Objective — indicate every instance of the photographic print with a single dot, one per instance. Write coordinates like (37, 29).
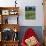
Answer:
(30, 12)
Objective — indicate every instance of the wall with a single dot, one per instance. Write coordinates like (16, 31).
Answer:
(22, 3)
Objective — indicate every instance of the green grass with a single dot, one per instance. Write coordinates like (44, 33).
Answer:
(29, 14)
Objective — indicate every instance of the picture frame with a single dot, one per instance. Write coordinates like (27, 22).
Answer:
(5, 12)
(30, 12)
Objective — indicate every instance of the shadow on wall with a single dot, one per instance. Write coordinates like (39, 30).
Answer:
(37, 29)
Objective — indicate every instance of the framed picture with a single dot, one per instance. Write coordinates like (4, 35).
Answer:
(5, 12)
(30, 12)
